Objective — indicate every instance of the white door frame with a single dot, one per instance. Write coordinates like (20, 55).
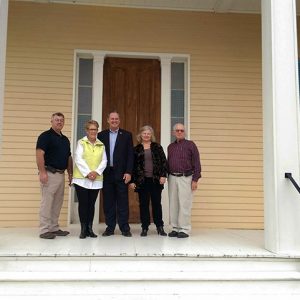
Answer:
(166, 59)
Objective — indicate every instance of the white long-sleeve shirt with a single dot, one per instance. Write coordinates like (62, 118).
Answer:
(85, 170)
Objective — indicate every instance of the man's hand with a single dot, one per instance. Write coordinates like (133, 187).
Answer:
(40, 161)
(194, 185)
(127, 178)
(43, 177)
(70, 177)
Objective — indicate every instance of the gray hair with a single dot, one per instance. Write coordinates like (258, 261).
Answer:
(91, 122)
(174, 127)
(144, 128)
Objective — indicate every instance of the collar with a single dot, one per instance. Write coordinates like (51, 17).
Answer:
(180, 141)
(53, 131)
(86, 140)
(114, 131)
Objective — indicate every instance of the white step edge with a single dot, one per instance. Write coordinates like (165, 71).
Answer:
(146, 276)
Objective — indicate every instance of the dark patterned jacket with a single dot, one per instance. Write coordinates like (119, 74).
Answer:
(159, 164)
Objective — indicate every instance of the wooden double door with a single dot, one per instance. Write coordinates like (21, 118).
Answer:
(133, 88)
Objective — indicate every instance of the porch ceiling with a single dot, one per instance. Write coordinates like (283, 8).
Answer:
(219, 6)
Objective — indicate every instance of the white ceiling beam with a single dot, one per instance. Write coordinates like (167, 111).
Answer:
(223, 6)
(218, 6)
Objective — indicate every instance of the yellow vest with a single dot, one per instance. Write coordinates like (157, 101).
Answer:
(92, 154)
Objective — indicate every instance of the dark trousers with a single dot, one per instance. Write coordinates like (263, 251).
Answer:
(115, 202)
(86, 203)
(150, 190)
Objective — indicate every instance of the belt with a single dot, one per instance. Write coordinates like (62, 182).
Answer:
(54, 170)
(182, 174)
(60, 171)
(177, 174)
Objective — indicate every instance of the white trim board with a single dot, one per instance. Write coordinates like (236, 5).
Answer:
(3, 37)
(166, 60)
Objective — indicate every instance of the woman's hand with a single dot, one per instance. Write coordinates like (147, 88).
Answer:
(92, 175)
(132, 186)
(162, 180)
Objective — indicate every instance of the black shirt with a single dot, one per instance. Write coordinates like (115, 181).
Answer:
(56, 147)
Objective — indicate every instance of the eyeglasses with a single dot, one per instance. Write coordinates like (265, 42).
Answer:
(179, 130)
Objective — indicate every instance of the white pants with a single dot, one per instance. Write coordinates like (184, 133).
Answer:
(181, 198)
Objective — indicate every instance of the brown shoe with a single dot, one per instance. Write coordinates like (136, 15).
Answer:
(60, 232)
(47, 235)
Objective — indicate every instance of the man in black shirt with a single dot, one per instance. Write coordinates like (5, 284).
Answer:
(53, 157)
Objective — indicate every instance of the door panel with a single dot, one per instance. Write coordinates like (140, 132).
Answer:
(132, 87)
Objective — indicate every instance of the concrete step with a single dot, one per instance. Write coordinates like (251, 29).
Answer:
(147, 278)
(148, 269)
(151, 290)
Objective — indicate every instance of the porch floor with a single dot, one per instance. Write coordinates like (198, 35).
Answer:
(210, 264)
(24, 242)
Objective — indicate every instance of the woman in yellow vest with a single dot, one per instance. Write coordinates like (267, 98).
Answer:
(90, 162)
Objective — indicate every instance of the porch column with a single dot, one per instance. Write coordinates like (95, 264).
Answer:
(3, 36)
(165, 116)
(97, 103)
(97, 86)
(281, 125)
(165, 113)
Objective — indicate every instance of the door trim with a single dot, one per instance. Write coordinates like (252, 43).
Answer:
(166, 59)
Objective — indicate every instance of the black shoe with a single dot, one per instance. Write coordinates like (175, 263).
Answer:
(182, 235)
(90, 231)
(127, 233)
(83, 232)
(60, 232)
(107, 233)
(144, 232)
(173, 234)
(82, 235)
(47, 235)
(160, 231)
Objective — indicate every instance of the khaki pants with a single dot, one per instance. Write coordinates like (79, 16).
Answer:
(51, 203)
(180, 197)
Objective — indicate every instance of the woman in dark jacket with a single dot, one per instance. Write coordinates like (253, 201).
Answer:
(148, 178)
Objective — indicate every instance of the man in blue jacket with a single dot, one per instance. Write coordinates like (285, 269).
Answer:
(119, 150)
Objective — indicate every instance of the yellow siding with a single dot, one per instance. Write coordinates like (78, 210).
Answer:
(225, 98)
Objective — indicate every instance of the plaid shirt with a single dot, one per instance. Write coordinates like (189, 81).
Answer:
(183, 157)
